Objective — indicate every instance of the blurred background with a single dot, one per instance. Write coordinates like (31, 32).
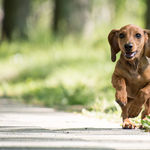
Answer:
(55, 53)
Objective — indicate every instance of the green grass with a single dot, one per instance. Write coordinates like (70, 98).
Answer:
(61, 72)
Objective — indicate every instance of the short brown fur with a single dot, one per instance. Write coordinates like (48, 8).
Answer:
(131, 77)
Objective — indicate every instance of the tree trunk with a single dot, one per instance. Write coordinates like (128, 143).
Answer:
(148, 15)
(15, 15)
(70, 15)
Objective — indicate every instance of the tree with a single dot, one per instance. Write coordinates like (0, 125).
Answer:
(15, 15)
(148, 14)
(70, 15)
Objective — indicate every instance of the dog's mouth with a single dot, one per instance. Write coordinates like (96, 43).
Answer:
(130, 55)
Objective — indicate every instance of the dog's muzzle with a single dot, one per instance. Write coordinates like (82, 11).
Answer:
(130, 55)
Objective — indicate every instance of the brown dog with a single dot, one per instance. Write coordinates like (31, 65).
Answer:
(131, 77)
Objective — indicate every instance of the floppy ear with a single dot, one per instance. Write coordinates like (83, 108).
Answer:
(112, 38)
(147, 42)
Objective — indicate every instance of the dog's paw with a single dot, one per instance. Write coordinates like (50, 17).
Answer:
(134, 110)
(127, 124)
(141, 127)
(122, 104)
(121, 98)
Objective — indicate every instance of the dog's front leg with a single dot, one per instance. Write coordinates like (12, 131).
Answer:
(122, 99)
(141, 99)
(127, 123)
(120, 86)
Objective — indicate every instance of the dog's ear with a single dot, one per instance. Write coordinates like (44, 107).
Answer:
(112, 38)
(147, 42)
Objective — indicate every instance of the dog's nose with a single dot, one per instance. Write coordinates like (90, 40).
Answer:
(128, 46)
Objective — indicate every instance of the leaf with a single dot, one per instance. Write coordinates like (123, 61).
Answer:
(146, 123)
(148, 117)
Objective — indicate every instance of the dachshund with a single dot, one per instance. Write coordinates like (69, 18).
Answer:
(131, 76)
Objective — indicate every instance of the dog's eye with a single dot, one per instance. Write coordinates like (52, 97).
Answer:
(121, 35)
(138, 35)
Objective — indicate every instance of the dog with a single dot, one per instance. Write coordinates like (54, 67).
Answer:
(131, 77)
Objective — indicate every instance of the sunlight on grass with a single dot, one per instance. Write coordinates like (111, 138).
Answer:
(62, 73)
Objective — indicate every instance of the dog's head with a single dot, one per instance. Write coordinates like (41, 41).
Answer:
(130, 40)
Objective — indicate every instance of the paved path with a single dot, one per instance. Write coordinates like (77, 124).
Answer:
(23, 127)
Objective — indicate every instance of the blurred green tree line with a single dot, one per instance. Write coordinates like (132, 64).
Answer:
(68, 16)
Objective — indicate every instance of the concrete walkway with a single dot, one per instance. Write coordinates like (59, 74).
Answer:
(23, 127)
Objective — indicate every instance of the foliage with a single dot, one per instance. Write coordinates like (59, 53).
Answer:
(146, 124)
(59, 72)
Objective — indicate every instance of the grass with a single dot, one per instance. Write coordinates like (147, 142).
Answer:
(59, 73)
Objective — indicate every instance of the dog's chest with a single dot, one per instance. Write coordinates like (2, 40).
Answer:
(133, 78)
(136, 77)
(135, 81)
